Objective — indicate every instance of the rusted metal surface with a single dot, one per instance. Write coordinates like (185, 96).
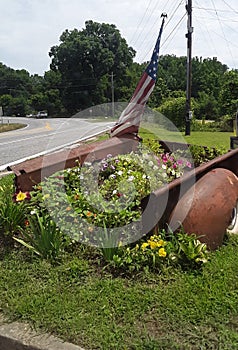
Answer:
(177, 188)
(159, 205)
(207, 207)
(33, 171)
(163, 201)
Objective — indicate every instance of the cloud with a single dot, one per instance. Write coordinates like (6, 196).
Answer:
(29, 28)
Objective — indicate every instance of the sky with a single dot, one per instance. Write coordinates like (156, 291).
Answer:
(29, 28)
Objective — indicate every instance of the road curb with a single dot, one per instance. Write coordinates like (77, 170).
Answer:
(20, 336)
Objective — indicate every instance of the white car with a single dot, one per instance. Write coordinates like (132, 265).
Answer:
(42, 114)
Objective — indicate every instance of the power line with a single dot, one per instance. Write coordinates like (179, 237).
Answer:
(210, 41)
(228, 46)
(142, 29)
(229, 6)
(141, 20)
(213, 10)
(173, 30)
(156, 20)
(222, 20)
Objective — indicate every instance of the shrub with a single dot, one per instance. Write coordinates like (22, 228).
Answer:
(174, 109)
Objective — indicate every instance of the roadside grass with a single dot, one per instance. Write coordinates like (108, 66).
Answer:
(85, 302)
(11, 127)
(90, 306)
(203, 138)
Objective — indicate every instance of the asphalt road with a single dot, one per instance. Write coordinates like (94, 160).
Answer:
(42, 136)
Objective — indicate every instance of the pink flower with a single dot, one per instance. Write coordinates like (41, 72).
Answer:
(188, 164)
(180, 162)
(164, 158)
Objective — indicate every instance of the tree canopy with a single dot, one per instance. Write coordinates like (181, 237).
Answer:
(87, 63)
(86, 59)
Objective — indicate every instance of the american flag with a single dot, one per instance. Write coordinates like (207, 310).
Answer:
(130, 118)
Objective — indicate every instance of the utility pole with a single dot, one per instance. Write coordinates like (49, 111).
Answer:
(112, 88)
(188, 116)
(1, 114)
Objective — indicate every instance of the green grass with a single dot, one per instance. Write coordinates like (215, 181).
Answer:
(85, 303)
(11, 127)
(80, 302)
(210, 139)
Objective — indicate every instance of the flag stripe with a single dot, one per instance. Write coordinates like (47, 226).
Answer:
(130, 117)
(140, 85)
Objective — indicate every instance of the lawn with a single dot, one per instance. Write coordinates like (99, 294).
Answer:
(96, 309)
(11, 127)
(85, 301)
(210, 139)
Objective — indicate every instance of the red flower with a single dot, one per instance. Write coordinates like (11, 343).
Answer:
(27, 223)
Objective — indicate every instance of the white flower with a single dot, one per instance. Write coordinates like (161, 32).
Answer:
(112, 176)
(150, 163)
(144, 176)
(114, 192)
(33, 212)
(119, 172)
(164, 166)
(131, 178)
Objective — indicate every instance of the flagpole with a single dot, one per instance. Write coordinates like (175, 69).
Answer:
(188, 116)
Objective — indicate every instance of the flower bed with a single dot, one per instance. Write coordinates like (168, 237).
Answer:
(99, 204)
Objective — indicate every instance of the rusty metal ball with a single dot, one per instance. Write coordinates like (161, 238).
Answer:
(209, 205)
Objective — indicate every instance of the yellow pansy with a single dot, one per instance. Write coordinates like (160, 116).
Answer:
(162, 253)
(152, 244)
(144, 245)
(161, 243)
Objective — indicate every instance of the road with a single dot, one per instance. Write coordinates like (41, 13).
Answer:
(42, 136)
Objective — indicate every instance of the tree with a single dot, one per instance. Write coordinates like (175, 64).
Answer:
(172, 70)
(206, 106)
(228, 98)
(85, 59)
(207, 76)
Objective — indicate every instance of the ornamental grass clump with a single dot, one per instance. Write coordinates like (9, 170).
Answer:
(43, 237)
